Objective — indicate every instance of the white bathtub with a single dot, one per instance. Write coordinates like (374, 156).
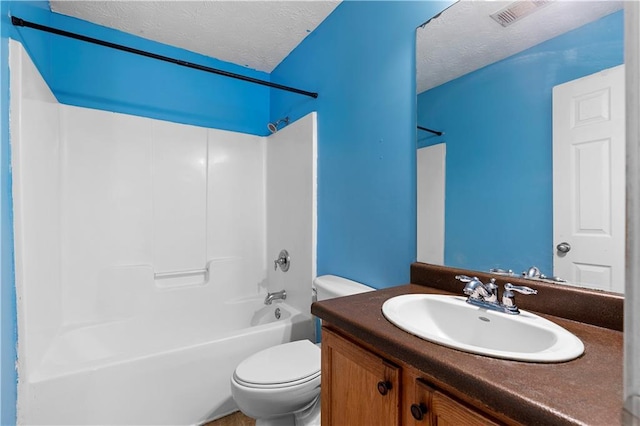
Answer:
(166, 369)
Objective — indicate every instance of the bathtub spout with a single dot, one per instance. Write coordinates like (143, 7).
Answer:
(282, 294)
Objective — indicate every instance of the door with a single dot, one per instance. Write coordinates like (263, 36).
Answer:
(589, 180)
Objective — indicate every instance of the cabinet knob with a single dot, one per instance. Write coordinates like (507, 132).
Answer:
(418, 411)
(384, 387)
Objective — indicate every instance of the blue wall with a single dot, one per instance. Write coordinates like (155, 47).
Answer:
(361, 60)
(7, 288)
(93, 76)
(497, 120)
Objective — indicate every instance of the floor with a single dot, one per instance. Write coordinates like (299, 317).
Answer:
(234, 419)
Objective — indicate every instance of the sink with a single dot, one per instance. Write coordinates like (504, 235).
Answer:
(452, 322)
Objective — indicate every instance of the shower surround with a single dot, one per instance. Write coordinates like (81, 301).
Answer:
(144, 251)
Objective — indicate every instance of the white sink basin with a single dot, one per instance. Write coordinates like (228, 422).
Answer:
(452, 322)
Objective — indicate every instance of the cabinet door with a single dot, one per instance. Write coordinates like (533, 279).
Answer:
(358, 387)
(446, 411)
(427, 406)
(419, 403)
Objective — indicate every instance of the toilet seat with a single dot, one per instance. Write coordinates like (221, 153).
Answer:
(281, 366)
(275, 385)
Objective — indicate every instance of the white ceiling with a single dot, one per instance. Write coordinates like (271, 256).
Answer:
(464, 38)
(256, 34)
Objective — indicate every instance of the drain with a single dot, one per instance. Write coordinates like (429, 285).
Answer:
(277, 313)
(485, 319)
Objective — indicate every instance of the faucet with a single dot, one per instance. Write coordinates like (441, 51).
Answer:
(533, 272)
(486, 295)
(282, 295)
(476, 290)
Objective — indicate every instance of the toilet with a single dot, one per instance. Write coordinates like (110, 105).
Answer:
(280, 385)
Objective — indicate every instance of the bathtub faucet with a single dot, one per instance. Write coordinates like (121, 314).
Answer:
(282, 294)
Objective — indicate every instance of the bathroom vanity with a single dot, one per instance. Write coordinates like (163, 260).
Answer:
(376, 373)
(402, 394)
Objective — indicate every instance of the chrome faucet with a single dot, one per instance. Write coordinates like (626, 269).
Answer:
(476, 290)
(282, 295)
(534, 273)
(486, 295)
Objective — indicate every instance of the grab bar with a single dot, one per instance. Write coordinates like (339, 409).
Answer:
(161, 275)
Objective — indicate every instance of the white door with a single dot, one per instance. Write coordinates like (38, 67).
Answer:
(589, 180)
(430, 226)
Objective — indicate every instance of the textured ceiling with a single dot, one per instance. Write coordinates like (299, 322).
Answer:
(464, 38)
(256, 34)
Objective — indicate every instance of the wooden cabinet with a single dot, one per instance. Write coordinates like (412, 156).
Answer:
(358, 387)
(363, 388)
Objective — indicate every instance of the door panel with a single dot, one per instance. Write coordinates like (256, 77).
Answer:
(358, 388)
(589, 179)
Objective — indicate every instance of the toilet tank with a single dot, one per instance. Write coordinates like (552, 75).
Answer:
(330, 286)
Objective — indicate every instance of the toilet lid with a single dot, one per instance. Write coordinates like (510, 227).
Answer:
(284, 363)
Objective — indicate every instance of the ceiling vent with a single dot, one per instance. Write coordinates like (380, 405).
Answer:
(518, 10)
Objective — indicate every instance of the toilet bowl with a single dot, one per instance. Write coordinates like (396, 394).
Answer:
(278, 381)
(280, 385)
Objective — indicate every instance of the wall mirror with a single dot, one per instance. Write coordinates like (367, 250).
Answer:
(530, 104)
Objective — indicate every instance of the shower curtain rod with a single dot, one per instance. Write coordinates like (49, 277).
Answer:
(18, 22)
(430, 131)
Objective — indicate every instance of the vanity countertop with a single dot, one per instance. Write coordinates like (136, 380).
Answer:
(587, 390)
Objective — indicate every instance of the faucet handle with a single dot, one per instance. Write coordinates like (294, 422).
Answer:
(283, 261)
(466, 278)
(508, 299)
(500, 271)
(520, 289)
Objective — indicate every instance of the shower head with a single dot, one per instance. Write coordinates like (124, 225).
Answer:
(273, 127)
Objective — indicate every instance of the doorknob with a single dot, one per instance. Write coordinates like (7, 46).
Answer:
(564, 247)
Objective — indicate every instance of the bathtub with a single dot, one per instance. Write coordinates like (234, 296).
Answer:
(168, 368)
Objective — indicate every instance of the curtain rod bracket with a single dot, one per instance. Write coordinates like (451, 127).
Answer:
(19, 22)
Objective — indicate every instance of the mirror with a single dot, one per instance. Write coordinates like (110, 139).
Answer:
(487, 185)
